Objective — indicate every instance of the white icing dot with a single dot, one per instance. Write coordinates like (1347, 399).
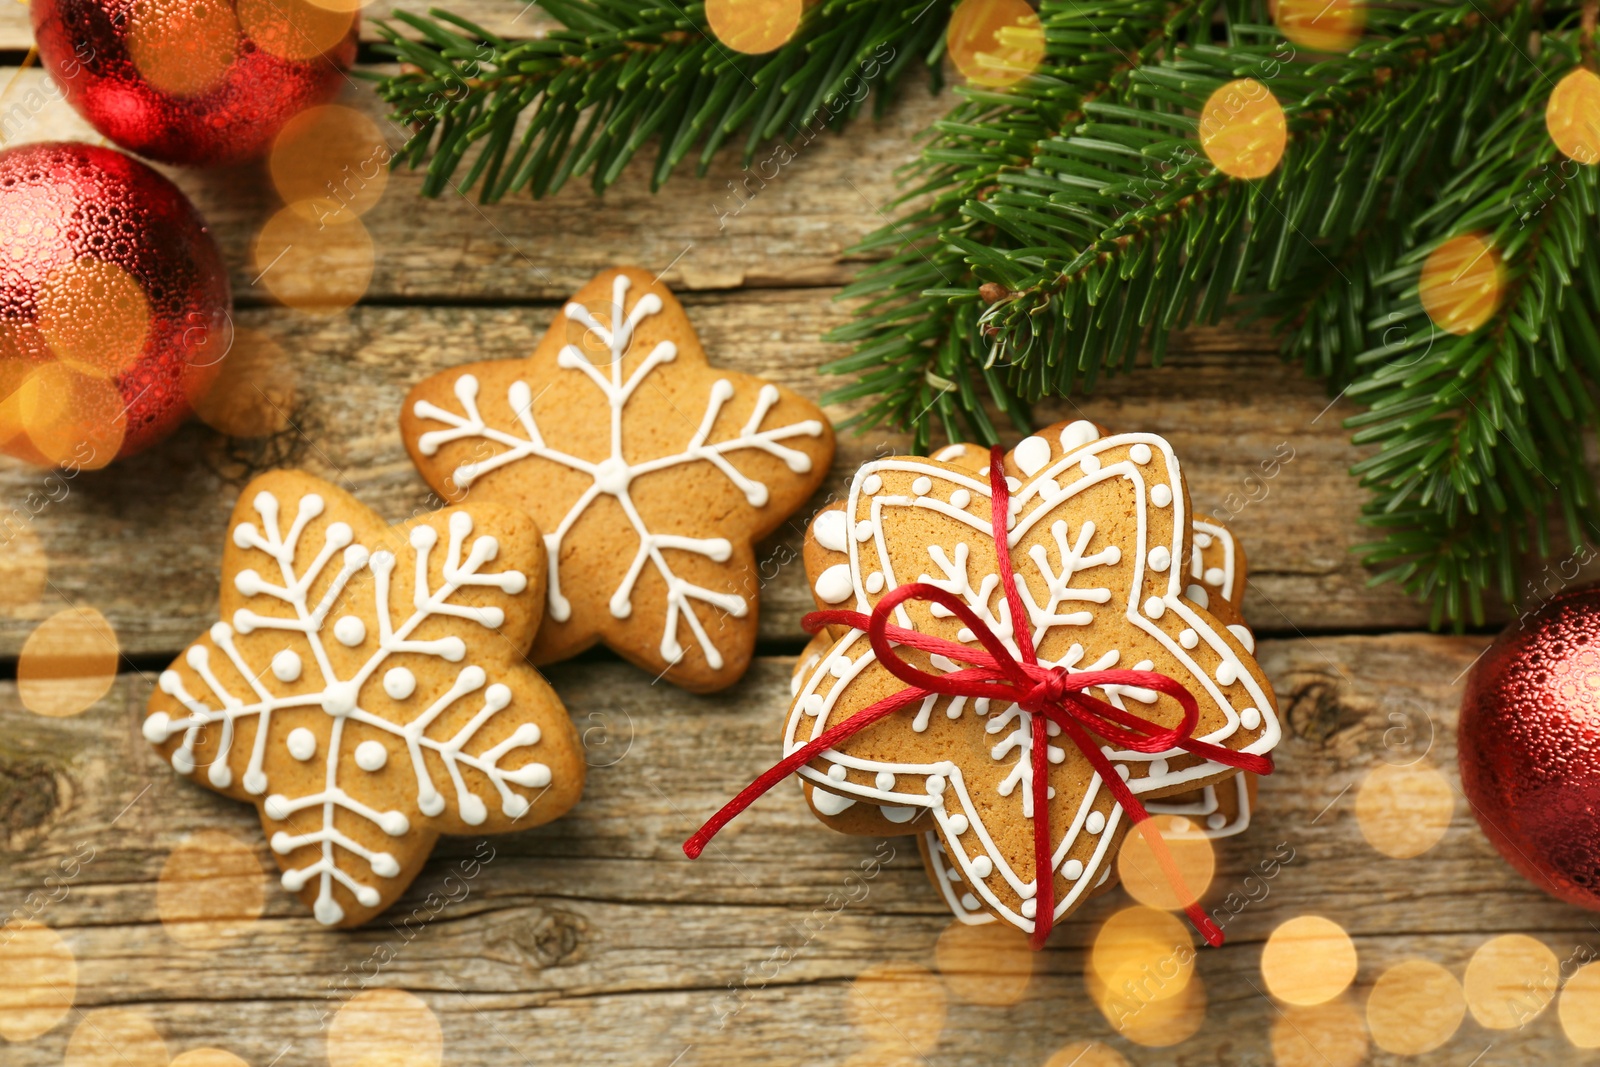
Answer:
(1090, 464)
(1250, 718)
(875, 582)
(871, 484)
(1202, 540)
(286, 665)
(371, 756)
(1188, 639)
(1214, 576)
(969, 902)
(1031, 454)
(841, 666)
(953, 875)
(950, 453)
(935, 784)
(982, 866)
(1095, 823)
(1029, 908)
(1013, 485)
(1217, 820)
(922, 486)
(1160, 495)
(837, 773)
(399, 682)
(1079, 433)
(834, 584)
(1158, 767)
(1072, 870)
(897, 813)
(831, 529)
(864, 530)
(350, 631)
(960, 498)
(1154, 607)
(1160, 558)
(958, 825)
(1123, 772)
(1246, 638)
(1198, 594)
(1140, 454)
(812, 704)
(885, 780)
(1227, 672)
(302, 743)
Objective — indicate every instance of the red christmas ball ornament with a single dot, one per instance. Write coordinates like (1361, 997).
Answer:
(114, 305)
(1529, 746)
(200, 82)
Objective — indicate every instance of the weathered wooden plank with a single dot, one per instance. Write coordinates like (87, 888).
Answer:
(141, 540)
(593, 940)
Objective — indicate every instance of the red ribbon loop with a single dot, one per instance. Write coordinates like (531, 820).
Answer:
(1053, 695)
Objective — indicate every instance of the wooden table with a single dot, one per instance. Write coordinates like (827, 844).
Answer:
(593, 940)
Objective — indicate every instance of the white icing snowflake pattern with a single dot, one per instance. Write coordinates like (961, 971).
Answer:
(338, 697)
(612, 475)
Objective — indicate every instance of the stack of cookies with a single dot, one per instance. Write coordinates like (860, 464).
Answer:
(1116, 572)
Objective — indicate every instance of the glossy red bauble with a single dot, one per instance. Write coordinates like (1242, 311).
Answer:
(114, 305)
(199, 82)
(1529, 746)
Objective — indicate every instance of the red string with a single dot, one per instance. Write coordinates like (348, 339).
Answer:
(1051, 694)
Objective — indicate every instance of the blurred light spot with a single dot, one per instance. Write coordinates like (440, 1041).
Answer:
(754, 27)
(67, 663)
(1321, 25)
(385, 1028)
(208, 1057)
(24, 569)
(212, 888)
(898, 1004)
(1573, 116)
(320, 268)
(69, 419)
(330, 160)
(1323, 1035)
(1308, 960)
(1153, 1023)
(1510, 980)
(1243, 130)
(254, 394)
(1461, 283)
(1404, 811)
(22, 350)
(38, 980)
(115, 1037)
(989, 965)
(95, 316)
(294, 29)
(1415, 1007)
(1142, 954)
(1142, 874)
(182, 48)
(1086, 1054)
(995, 43)
(1579, 1007)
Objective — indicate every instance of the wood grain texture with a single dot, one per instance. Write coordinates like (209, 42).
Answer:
(592, 940)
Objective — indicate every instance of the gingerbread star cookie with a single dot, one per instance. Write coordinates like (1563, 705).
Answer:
(366, 688)
(651, 473)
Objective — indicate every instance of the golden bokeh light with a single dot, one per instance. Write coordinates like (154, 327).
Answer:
(319, 269)
(212, 890)
(24, 569)
(254, 394)
(1404, 811)
(995, 43)
(1579, 1007)
(182, 48)
(68, 663)
(1152, 1023)
(22, 349)
(385, 1028)
(67, 418)
(1143, 875)
(1510, 980)
(38, 980)
(115, 1037)
(898, 1004)
(1572, 116)
(754, 27)
(294, 29)
(1321, 25)
(1414, 1007)
(330, 160)
(1308, 960)
(990, 965)
(1243, 130)
(95, 316)
(1142, 954)
(1461, 283)
(1086, 1054)
(1323, 1035)
(208, 1057)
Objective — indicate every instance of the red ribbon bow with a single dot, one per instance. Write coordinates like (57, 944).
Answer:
(1051, 694)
